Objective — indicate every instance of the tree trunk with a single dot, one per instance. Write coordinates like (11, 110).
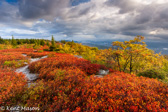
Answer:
(131, 64)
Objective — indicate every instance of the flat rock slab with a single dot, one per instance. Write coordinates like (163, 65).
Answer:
(26, 71)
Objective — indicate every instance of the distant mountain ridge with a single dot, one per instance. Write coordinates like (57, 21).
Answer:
(157, 46)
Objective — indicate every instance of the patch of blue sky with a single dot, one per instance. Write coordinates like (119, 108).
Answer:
(12, 1)
(77, 2)
(1, 2)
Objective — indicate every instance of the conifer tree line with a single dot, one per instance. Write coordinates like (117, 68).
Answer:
(15, 42)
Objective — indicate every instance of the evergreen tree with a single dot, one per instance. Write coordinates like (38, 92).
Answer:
(52, 41)
(36, 44)
(63, 41)
(18, 41)
(48, 44)
(52, 47)
(13, 42)
(1, 40)
(42, 42)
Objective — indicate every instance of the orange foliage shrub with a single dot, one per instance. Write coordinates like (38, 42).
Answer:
(12, 86)
(13, 54)
(68, 89)
(18, 50)
(45, 92)
(37, 54)
(10, 56)
(62, 61)
(71, 90)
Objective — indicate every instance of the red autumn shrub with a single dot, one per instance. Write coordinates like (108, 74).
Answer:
(65, 60)
(18, 50)
(71, 90)
(9, 56)
(12, 86)
(44, 93)
(37, 54)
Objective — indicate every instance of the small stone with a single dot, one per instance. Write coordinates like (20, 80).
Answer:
(103, 72)
(78, 56)
(24, 54)
(25, 63)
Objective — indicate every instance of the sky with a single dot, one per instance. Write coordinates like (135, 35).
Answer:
(84, 20)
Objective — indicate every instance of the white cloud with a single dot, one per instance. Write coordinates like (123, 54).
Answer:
(153, 32)
(147, 2)
(18, 31)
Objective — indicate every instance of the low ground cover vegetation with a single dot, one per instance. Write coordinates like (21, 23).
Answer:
(136, 80)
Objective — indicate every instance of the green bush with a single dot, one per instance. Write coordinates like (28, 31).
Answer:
(56, 49)
(153, 73)
(94, 48)
(15, 63)
(8, 63)
(36, 47)
(1, 48)
(40, 51)
(52, 48)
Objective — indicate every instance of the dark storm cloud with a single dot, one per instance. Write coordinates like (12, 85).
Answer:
(46, 9)
(134, 33)
(124, 5)
(78, 11)
(8, 12)
(66, 29)
(162, 36)
(147, 18)
(84, 11)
